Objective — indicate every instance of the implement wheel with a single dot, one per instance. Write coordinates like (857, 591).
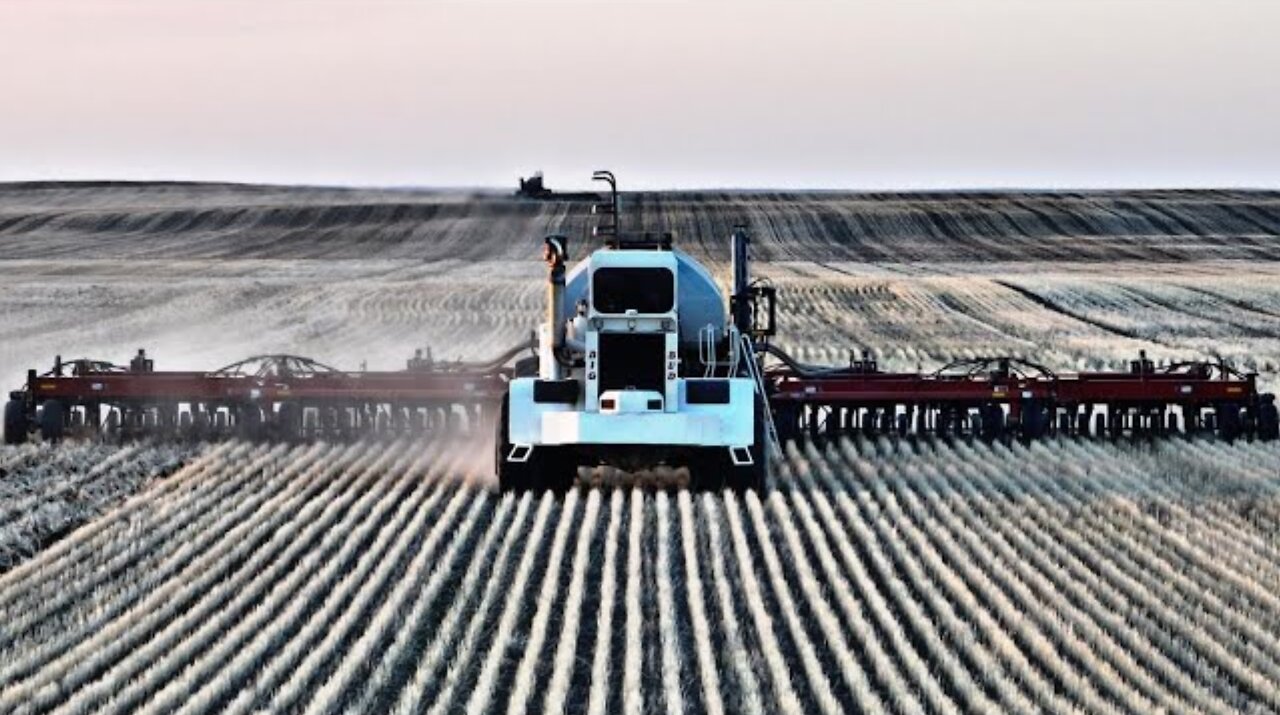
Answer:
(289, 421)
(53, 421)
(1268, 420)
(1229, 423)
(15, 422)
(249, 421)
(1035, 419)
(991, 421)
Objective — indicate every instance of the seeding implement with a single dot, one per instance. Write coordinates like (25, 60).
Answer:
(640, 361)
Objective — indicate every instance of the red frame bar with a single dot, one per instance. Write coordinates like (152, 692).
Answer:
(422, 387)
(191, 387)
(1080, 388)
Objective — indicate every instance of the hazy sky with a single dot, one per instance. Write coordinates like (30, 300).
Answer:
(908, 94)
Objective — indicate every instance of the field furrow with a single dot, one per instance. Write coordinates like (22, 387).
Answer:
(899, 576)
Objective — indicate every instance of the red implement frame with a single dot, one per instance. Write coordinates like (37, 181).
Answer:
(295, 397)
(994, 397)
(266, 396)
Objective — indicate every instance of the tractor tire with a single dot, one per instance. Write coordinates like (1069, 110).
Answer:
(754, 476)
(53, 421)
(788, 422)
(512, 476)
(15, 422)
(555, 469)
(707, 471)
(748, 478)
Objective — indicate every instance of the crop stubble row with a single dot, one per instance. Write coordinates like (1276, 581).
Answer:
(908, 576)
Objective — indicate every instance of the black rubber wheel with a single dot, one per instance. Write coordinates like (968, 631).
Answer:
(1268, 421)
(199, 423)
(1082, 423)
(555, 469)
(289, 421)
(869, 422)
(15, 422)
(512, 476)
(1229, 425)
(250, 421)
(707, 470)
(749, 477)
(1115, 424)
(787, 421)
(992, 422)
(53, 421)
(754, 476)
(943, 426)
(1035, 419)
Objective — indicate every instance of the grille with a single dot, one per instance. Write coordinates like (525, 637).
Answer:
(632, 361)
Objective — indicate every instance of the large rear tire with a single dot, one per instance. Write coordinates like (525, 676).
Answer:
(554, 469)
(708, 470)
(53, 421)
(749, 477)
(512, 476)
(15, 422)
(754, 476)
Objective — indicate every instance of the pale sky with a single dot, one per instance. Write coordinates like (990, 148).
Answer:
(701, 93)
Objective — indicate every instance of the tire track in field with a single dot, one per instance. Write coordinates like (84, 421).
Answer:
(1054, 307)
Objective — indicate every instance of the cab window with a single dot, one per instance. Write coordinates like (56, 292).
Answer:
(645, 290)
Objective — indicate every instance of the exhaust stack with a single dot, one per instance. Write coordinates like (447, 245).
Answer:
(555, 252)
